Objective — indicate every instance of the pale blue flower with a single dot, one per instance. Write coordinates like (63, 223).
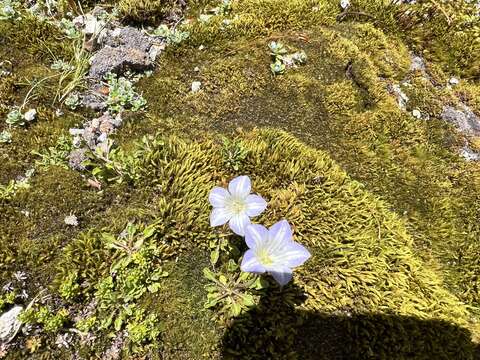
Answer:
(273, 251)
(235, 205)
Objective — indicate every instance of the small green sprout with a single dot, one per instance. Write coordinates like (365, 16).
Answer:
(277, 49)
(5, 137)
(72, 101)
(232, 293)
(224, 8)
(7, 9)
(282, 60)
(69, 29)
(15, 118)
(277, 67)
(122, 95)
(173, 37)
(55, 155)
(62, 66)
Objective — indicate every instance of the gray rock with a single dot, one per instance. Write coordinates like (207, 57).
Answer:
(90, 136)
(129, 37)
(76, 158)
(469, 155)
(9, 324)
(155, 50)
(89, 24)
(92, 101)
(123, 48)
(402, 98)
(118, 60)
(418, 64)
(463, 118)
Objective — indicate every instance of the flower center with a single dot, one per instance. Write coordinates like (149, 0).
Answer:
(238, 206)
(264, 257)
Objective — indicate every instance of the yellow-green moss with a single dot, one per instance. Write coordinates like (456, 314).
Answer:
(445, 32)
(147, 11)
(363, 257)
(338, 103)
(404, 262)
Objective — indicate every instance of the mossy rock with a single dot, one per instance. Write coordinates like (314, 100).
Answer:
(363, 257)
(382, 200)
(147, 11)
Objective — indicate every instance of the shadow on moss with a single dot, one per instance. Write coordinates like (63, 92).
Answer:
(275, 329)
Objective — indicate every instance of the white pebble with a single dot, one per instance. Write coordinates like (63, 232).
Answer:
(416, 113)
(344, 4)
(10, 324)
(30, 115)
(196, 85)
(71, 220)
(453, 81)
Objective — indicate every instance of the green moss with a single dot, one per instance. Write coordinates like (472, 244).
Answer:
(397, 250)
(337, 103)
(389, 55)
(34, 36)
(446, 32)
(363, 258)
(147, 11)
(469, 92)
(252, 19)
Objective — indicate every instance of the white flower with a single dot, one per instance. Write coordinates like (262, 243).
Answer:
(273, 251)
(235, 205)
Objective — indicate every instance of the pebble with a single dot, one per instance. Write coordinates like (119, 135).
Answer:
(196, 85)
(453, 81)
(30, 115)
(345, 4)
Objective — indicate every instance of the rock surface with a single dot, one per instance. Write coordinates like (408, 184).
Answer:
(9, 324)
(463, 118)
(469, 155)
(118, 60)
(125, 49)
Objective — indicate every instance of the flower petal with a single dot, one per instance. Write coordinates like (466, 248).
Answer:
(251, 264)
(292, 255)
(255, 235)
(220, 216)
(238, 223)
(240, 186)
(280, 234)
(218, 197)
(282, 277)
(255, 205)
